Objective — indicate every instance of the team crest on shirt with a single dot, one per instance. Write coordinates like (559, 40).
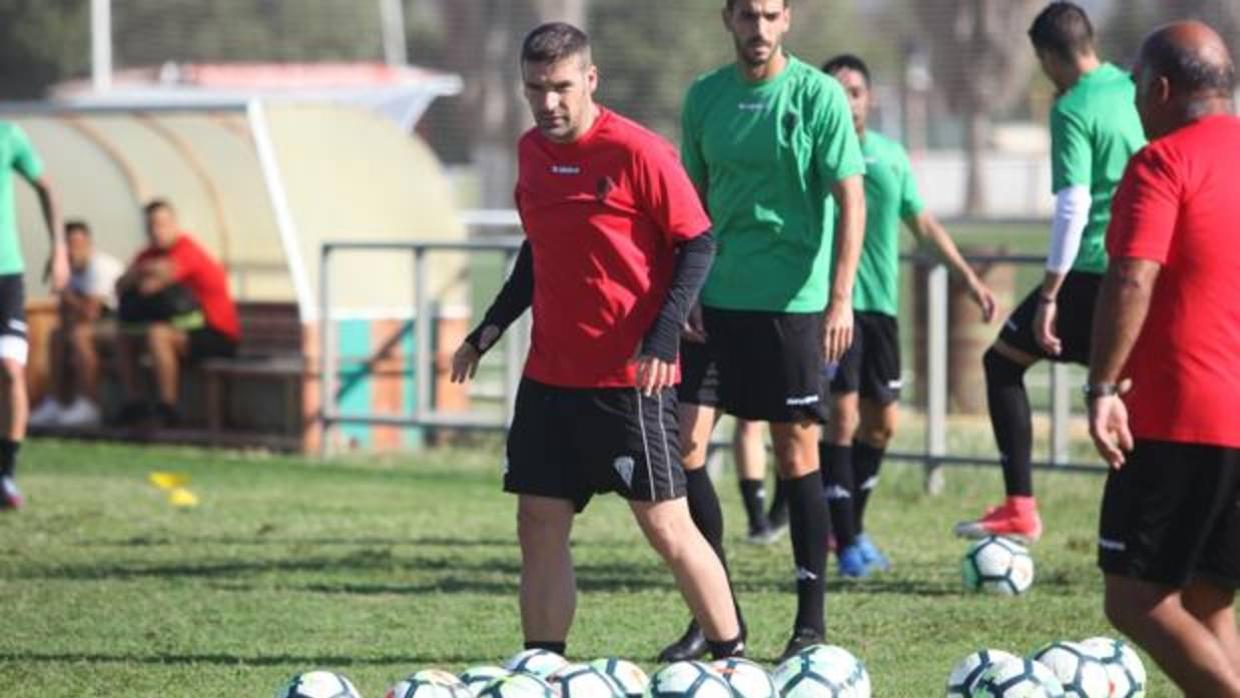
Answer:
(603, 188)
(624, 466)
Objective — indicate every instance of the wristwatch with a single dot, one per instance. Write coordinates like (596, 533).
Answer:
(1096, 390)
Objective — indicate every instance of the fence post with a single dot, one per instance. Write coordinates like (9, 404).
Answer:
(327, 358)
(936, 377)
(1061, 412)
(423, 365)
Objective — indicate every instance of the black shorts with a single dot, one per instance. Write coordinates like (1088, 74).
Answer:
(1074, 320)
(871, 366)
(208, 343)
(699, 375)
(13, 318)
(1172, 515)
(770, 364)
(573, 443)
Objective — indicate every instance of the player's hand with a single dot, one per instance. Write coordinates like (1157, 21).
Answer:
(1044, 328)
(694, 329)
(57, 269)
(837, 331)
(984, 299)
(654, 374)
(466, 359)
(1108, 426)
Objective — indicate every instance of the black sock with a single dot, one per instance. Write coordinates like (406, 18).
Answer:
(753, 494)
(558, 647)
(8, 456)
(708, 516)
(777, 515)
(727, 648)
(807, 516)
(1011, 420)
(840, 489)
(867, 461)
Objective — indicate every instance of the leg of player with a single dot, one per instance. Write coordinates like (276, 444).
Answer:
(167, 345)
(548, 593)
(1010, 417)
(13, 409)
(1215, 608)
(1156, 619)
(878, 426)
(749, 450)
(699, 572)
(835, 453)
(796, 455)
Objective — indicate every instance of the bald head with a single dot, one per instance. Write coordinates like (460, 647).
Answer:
(1183, 72)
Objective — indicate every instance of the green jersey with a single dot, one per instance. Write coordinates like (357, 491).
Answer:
(16, 153)
(1094, 130)
(890, 198)
(765, 157)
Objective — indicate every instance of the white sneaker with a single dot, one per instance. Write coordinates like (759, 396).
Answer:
(82, 413)
(47, 414)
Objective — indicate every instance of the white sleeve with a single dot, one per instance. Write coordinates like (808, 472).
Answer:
(1067, 226)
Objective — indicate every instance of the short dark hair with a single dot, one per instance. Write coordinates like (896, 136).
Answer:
(847, 61)
(1187, 69)
(1064, 29)
(729, 4)
(553, 42)
(155, 204)
(77, 226)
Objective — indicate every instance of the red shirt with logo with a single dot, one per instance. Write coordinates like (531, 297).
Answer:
(193, 268)
(1179, 205)
(603, 216)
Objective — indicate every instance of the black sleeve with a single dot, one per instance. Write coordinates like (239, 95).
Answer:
(693, 262)
(516, 295)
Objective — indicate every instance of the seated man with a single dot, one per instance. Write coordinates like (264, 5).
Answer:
(89, 297)
(173, 303)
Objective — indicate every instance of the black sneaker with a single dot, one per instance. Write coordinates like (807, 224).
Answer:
(167, 415)
(133, 413)
(801, 638)
(691, 645)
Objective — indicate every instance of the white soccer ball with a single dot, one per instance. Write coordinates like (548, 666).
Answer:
(1081, 674)
(964, 676)
(1018, 678)
(747, 678)
(584, 681)
(688, 680)
(627, 675)
(540, 663)
(518, 686)
(998, 565)
(430, 683)
(1123, 665)
(822, 671)
(477, 677)
(318, 684)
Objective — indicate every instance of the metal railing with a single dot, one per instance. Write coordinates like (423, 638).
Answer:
(935, 450)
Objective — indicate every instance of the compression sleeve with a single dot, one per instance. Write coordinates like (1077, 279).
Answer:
(514, 298)
(693, 262)
(1067, 227)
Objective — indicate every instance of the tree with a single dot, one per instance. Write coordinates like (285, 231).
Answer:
(981, 61)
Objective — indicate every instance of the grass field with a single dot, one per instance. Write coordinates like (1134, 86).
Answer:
(377, 568)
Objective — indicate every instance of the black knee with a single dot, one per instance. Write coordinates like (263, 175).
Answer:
(1002, 370)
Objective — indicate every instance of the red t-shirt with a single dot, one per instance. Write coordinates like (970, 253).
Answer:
(603, 216)
(1179, 205)
(193, 268)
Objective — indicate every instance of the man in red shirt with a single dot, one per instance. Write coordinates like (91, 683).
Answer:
(174, 304)
(617, 248)
(1164, 380)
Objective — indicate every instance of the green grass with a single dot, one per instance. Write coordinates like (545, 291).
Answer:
(377, 568)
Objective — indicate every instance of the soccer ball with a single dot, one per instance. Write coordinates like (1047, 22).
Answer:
(1122, 663)
(518, 686)
(822, 671)
(964, 675)
(476, 678)
(747, 679)
(318, 684)
(1018, 678)
(540, 663)
(998, 565)
(627, 675)
(688, 680)
(430, 683)
(584, 681)
(1082, 675)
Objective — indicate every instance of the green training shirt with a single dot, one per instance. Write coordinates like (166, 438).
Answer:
(16, 153)
(890, 198)
(765, 157)
(1094, 130)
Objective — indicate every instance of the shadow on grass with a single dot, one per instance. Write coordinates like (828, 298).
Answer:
(225, 659)
(262, 539)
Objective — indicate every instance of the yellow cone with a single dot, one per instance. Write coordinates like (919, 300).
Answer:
(168, 481)
(181, 497)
